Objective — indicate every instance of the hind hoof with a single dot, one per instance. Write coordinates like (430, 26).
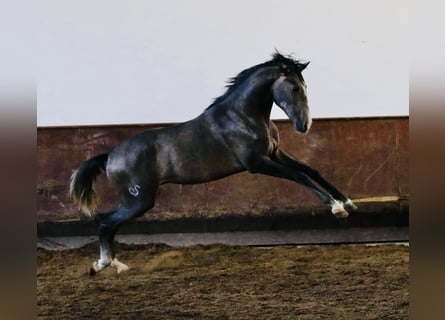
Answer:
(97, 267)
(94, 269)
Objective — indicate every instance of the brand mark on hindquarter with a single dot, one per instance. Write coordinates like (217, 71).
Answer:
(134, 190)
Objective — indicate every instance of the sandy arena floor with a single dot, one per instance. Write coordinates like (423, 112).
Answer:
(227, 282)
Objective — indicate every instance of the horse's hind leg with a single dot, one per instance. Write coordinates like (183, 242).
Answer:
(108, 224)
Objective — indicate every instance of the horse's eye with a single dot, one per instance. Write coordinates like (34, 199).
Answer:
(295, 89)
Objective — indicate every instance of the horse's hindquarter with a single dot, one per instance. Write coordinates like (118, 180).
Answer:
(129, 162)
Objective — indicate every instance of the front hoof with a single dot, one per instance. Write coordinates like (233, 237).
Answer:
(338, 211)
(350, 205)
(341, 214)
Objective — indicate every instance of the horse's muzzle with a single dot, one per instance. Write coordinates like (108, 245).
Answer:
(303, 122)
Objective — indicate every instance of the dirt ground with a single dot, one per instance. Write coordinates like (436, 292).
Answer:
(227, 282)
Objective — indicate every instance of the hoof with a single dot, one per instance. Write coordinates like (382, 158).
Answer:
(341, 214)
(350, 205)
(119, 266)
(338, 211)
(92, 272)
(97, 267)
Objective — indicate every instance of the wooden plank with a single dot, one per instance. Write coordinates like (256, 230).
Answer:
(245, 238)
(363, 157)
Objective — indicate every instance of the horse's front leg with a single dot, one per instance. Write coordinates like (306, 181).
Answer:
(265, 165)
(281, 157)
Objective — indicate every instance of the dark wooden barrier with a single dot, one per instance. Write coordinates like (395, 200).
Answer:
(367, 158)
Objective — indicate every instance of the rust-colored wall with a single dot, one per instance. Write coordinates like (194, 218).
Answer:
(363, 157)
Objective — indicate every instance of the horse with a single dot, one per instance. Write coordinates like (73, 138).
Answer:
(232, 135)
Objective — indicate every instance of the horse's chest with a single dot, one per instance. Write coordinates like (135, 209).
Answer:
(266, 143)
(271, 146)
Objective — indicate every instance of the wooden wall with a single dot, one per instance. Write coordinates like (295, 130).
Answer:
(367, 158)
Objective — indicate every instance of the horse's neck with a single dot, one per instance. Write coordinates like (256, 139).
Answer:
(254, 96)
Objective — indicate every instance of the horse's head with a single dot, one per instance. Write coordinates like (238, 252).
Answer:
(289, 93)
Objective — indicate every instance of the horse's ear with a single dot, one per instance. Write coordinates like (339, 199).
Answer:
(304, 65)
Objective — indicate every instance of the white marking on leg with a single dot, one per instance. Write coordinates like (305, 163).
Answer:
(338, 210)
(103, 262)
(104, 259)
(98, 266)
(336, 206)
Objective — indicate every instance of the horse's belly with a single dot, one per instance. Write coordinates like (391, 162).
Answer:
(198, 167)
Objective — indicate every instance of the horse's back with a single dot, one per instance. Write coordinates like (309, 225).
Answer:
(184, 153)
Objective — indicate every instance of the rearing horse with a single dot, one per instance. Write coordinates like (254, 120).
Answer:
(232, 135)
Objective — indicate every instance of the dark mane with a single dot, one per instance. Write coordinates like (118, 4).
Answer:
(286, 63)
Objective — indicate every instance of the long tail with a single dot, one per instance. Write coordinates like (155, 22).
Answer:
(82, 184)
